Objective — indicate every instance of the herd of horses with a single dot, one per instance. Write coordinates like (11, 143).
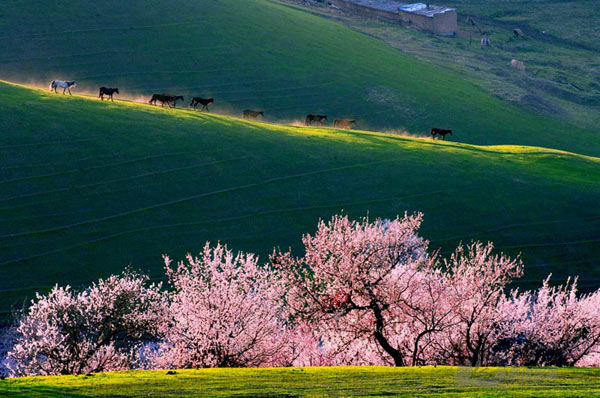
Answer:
(170, 99)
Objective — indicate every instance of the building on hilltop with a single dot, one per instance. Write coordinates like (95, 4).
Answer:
(436, 19)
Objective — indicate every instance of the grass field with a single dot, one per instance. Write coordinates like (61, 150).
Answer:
(572, 22)
(317, 382)
(89, 187)
(562, 78)
(266, 55)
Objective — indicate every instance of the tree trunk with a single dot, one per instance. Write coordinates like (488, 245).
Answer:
(378, 334)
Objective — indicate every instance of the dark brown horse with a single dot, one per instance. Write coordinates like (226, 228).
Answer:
(202, 101)
(165, 98)
(315, 118)
(441, 132)
(344, 123)
(108, 92)
(175, 98)
(249, 114)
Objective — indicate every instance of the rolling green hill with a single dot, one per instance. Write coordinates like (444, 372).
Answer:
(419, 382)
(261, 54)
(89, 187)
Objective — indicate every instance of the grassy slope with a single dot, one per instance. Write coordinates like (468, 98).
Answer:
(317, 382)
(88, 187)
(562, 79)
(260, 54)
(575, 21)
(560, 51)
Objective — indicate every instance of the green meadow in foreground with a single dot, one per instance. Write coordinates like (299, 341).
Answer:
(317, 382)
(89, 187)
(266, 55)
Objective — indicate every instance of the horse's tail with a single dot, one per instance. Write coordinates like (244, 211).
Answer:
(52, 85)
(100, 93)
(152, 99)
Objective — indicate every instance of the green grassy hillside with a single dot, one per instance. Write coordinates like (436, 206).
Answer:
(88, 187)
(573, 22)
(317, 382)
(261, 54)
(559, 49)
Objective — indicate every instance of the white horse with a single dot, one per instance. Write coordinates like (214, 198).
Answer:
(66, 86)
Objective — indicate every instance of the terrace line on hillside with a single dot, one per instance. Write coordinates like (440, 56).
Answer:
(436, 19)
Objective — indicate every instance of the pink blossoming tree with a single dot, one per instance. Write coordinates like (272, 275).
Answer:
(552, 326)
(351, 285)
(100, 328)
(476, 280)
(224, 312)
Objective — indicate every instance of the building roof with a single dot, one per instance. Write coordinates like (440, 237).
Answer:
(427, 10)
(383, 5)
(395, 6)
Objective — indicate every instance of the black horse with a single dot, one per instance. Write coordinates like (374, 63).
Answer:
(202, 101)
(165, 98)
(249, 114)
(315, 118)
(441, 132)
(108, 92)
(175, 98)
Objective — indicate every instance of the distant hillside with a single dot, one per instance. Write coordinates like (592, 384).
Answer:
(557, 44)
(89, 187)
(264, 55)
